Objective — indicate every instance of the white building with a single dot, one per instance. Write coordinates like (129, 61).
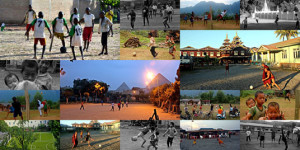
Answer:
(30, 123)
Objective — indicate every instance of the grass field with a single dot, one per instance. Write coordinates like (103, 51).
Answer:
(143, 52)
(211, 25)
(54, 114)
(288, 108)
(45, 141)
(206, 109)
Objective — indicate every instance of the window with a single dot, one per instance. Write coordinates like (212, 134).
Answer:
(296, 53)
(242, 53)
(284, 54)
(236, 53)
(184, 53)
(192, 53)
(218, 54)
(211, 53)
(198, 54)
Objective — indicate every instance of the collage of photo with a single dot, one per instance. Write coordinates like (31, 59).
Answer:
(149, 75)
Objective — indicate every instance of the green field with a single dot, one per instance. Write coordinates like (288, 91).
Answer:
(45, 141)
(288, 108)
(199, 25)
(206, 109)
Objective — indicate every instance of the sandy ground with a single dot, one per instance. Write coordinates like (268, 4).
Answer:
(211, 25)
(99, 112)
(107, 141)
(254, 143)
(145, 54)
(206, 109)
(3, 73)
(232, 143)
(54, 114)
(268, 24)
(128, 144)
(240, 78)
(156, 23)
(13, 46)
(288, 108)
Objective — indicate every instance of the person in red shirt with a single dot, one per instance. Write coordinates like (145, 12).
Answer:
(119, 105)
(82, 105)
(74, 140)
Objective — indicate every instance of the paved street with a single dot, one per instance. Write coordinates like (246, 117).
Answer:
(13, 46)
(155, 23)
(240, 78)
(99, 112)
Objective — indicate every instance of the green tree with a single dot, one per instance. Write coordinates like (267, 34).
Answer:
(37, 96)
(54, 126)
(220, 97)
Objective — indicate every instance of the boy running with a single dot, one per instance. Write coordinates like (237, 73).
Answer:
(29, 17)
(132, 15)
(88, 20)
(171, 131)
(152, 45)
(58, 27)
(170, 42)
(81, 105)
(39, 34)
(165, 17)
(76, 36)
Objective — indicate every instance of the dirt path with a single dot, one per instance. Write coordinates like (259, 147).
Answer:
(239, 78)
(145, 54)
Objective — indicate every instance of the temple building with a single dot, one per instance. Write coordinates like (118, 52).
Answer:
(233, 52)
(94, 125)
(282, 54)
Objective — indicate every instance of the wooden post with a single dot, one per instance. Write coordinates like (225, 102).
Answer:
(297, 105)
(27, 105)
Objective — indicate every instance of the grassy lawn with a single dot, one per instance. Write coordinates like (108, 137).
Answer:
(143, 52)
(288, 108)
(199, 25)
(45, 141)
(206, 109)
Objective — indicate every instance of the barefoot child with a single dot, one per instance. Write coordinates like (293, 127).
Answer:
(76, 36)
(104, 27)
(259, 110)
(17, 106)
(142, 134)
(171, 131)
(132, 15)
(88, 20)
(165, 17)
(11, 81)
(88, 138)
(81, 105)
(152, 45)
(39, 34)
(153, 140)
(58, 27)
(170, 42)
(44, 79)
(29, 17)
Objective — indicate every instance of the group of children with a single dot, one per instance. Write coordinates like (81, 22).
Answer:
(77, 34)
(87, 138)
(166, 12)
(154, 137)
(258, 111)
(119, 105)
(35, 76)
(169, 42)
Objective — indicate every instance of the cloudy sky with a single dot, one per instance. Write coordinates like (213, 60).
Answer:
(188, 3)
(197, 124)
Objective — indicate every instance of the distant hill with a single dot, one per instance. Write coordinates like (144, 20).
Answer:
(202, 7)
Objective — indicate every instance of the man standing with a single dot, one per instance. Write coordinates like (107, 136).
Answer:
(29, 17)
(248, 135)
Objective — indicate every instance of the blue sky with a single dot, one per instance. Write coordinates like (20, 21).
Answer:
(6, 95)
(196, 92)
(197, 124)
(70, 122)
(215, 38)
(189, 3)
(115, 72)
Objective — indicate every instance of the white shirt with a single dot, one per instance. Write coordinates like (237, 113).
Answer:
(248, 133)
(39, 28)
(88, 20)
(77, 37)
(30, 17)
(75, 16)
(104, 27)
(3, 24)
(154, 7)
(59, 27)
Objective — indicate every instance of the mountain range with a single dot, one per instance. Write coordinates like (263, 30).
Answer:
(203, 6)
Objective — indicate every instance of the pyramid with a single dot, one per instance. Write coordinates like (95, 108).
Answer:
(123, 87)
(158, 80)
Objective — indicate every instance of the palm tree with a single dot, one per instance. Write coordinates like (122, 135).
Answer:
(286, 34)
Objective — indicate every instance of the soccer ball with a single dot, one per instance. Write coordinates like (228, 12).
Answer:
(63, 49)
(134, 54)
(100, 145)
(251, 87)
(134, 138)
